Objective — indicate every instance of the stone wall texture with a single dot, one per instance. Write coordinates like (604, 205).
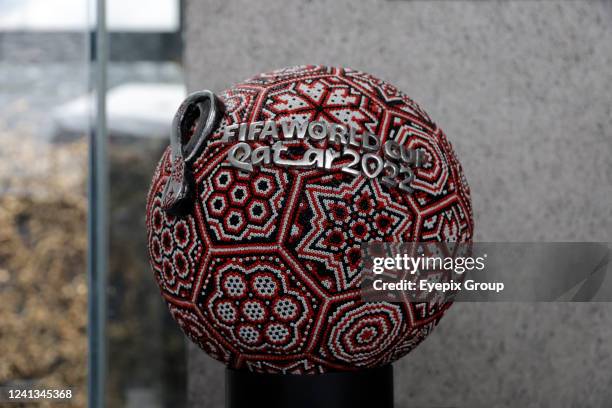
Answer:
(523, 89)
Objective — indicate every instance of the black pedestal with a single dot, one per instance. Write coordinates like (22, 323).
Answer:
(357, 389)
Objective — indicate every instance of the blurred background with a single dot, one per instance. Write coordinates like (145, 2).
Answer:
(47, 118)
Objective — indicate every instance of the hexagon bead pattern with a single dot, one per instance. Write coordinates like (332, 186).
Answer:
(262, 272)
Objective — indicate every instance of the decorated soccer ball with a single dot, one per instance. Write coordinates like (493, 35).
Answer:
(294, 170)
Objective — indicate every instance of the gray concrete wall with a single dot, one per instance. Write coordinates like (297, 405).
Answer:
(523, 89)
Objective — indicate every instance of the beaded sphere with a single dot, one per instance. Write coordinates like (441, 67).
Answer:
(261, 269)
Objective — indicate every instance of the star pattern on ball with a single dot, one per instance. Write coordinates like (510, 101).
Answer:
(342, 219)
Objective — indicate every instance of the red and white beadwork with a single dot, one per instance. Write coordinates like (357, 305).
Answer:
(263, 270)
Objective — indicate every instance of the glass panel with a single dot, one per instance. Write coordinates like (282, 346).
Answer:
(145, 350)
(44, 73)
